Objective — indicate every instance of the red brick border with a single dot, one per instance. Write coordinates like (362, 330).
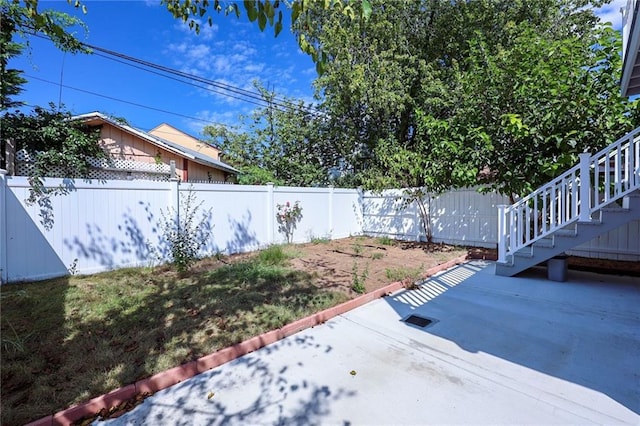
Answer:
(178, 374)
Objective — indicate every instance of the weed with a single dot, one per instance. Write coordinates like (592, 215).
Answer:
(219, 255)
(273, 255)
(377, 255)
(320, 240)
(16, 342)
(385, 241)
(404, 273)
(358, 278)
(357, 248)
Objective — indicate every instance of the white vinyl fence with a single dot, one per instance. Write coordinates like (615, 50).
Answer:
(100, 226)
(466, 217)
(103, 225)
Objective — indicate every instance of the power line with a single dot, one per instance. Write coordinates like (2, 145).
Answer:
(124, 101)
(281, 103)
(237, 93)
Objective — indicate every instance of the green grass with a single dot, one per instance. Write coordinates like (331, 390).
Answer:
(320, 240)
(67, 340)
(385, 241)
(403, 273)
(377, 256)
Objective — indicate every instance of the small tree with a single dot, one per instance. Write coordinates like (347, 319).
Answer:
(288, 217)
(184, 235)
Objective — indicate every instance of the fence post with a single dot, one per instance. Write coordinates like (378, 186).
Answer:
(4, 273)
(585, 187)
(270, 214)
(360, 210)
(174, 189)
(502, 233)
(330, 203)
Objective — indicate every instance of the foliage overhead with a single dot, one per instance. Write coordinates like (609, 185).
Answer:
(438, 94)
(281, 145)
(22, 18)
(268, 13)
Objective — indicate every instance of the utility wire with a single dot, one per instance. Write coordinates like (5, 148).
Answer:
(123, 101)
(238, 93)
(282, 103)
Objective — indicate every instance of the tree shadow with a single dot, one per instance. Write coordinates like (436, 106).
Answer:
(243, 238)
(573, 332)
(264, 386)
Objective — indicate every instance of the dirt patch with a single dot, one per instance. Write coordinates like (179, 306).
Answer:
(373, 262)
(380, 261)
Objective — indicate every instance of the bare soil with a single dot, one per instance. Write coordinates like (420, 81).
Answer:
(383, 261)
(373, 261)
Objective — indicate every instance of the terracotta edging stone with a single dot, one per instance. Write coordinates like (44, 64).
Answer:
(178, 374)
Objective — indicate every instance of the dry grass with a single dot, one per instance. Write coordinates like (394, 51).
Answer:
(70, 339)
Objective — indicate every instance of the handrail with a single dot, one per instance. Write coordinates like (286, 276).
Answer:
(572, 196)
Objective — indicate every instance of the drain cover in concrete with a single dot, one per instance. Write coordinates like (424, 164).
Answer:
(418, 320)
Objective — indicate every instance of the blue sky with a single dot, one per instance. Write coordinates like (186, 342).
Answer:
(233, 51)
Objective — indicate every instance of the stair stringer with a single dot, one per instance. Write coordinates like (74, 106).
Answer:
(571, 236)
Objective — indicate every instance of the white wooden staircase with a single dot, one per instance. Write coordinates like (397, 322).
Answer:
(594, 197)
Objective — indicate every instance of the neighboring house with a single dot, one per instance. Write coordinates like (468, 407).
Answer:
(630, 81)
(134, 154)
(170, 133)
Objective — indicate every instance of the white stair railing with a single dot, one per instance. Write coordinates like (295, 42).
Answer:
(598, 180)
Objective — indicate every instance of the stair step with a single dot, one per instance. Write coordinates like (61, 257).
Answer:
(569, 233)
(546, 242)
(524, 252)
(614, 210)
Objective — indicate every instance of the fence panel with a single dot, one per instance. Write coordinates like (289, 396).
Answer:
(104, 225)
(462, 217)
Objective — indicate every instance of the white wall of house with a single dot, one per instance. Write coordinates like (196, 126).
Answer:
(102, 225)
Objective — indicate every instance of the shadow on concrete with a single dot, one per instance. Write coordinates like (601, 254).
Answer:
(583, 331)
(247, 390)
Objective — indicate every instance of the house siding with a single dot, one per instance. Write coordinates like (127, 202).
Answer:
(122, 145)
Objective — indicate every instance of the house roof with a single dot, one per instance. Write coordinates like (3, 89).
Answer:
(630, 82)
(178, 149)
(168, 132)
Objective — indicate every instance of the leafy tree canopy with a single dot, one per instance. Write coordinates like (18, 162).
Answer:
(269, 13)
(282, 144)
(439, 94)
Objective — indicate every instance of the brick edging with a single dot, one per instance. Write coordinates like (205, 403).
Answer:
(182, 372)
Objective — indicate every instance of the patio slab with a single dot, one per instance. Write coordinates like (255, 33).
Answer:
(501, 350)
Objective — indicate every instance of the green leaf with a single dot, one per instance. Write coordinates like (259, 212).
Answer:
(295, 12)
(366, 9)
(262, 20)
(252, 12)
(278, 26)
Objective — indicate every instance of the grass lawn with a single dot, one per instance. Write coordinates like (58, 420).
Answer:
(67, 340)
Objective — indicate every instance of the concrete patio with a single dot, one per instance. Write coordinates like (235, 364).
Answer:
(500, 350)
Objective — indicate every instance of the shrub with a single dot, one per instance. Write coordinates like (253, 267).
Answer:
(288, 217)
(184, 235)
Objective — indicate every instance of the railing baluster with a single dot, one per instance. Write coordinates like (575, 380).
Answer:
(536, 227)
(527, 213)
(607, 178)
(618, 174)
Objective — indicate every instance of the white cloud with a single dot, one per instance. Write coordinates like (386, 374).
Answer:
(611, 13)
(207, 32)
